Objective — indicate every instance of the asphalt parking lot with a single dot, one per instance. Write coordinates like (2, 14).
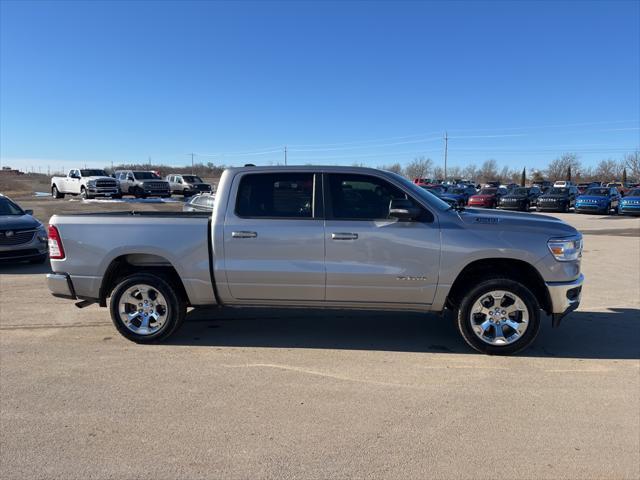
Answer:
(309, 394)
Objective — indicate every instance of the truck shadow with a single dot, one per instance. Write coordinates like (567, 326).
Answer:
(599, 335)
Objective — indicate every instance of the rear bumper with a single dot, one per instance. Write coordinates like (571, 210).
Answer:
(565, 298)
(60, 285)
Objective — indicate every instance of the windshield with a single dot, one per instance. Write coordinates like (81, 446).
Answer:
(634, 193)
(457, 191)
(192, 179)
(558, 191)
(488, 191)
(422, 193)
(520, 191)
(145, 176)
(600, 192)
(7, 207)
(93, 173)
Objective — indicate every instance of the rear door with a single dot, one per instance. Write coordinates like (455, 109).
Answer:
(371, 258)
(274, 237)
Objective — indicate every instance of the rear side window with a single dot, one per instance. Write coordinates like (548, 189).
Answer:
(361, 197)
(276, 195)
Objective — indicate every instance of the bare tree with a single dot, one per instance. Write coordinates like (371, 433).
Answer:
(609, 170)
(470, 172)
(438, 173)
(559, 167)
(418, 168)
(488, 171)
(394, 167)
(632, 162)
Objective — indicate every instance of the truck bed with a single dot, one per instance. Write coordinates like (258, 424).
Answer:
(93, 241)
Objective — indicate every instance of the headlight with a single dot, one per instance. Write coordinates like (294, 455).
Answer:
(91, 183)
(566, 249)
(42, 234)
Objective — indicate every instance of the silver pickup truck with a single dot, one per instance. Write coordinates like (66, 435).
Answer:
(334, 237)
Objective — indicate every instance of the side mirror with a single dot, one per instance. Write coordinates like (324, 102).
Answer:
(403, 210)
(29, 212)
(130, 178)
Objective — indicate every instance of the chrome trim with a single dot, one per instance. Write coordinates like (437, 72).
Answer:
(60, 285)
(244, 234)
(558, 295)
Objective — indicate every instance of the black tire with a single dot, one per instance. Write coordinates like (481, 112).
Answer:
(55, 193)
(526, 207)
(175, 312)
(186, 193)
(83, 193)
(463, 316)
(39, 259)
(116, 197)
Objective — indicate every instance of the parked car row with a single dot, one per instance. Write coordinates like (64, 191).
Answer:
(562, 196)
(92, 183)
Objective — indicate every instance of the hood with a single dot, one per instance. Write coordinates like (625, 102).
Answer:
(557, 196)
(99, 178)
(155, 181)
(593, 197)
(502, 220)
(514, 195)
(455, 196)
(481, 197)
(18, 222)
(634, 198)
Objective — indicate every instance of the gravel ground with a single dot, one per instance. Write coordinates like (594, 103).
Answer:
(308, 394)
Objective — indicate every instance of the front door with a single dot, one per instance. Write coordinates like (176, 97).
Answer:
(371, 258)
(274, 238)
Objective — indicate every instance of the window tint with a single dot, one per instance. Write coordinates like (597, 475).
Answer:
(361, 197)
(284, 195)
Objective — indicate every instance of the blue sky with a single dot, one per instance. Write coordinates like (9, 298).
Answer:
(373, 83)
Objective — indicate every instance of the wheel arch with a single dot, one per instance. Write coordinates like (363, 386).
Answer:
(127, 264)
(511, 268)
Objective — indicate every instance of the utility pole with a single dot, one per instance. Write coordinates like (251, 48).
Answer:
(192, 168)
(446, 148)
(285, 154)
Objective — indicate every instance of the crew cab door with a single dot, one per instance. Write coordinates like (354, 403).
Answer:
(274, 237)
(370, 257)
(72, 182)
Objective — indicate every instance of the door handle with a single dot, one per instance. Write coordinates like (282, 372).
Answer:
(244, 234)
(344, 236)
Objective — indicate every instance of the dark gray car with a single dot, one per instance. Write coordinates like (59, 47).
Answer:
(22, 237)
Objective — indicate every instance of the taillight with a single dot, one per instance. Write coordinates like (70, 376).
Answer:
(56, 251)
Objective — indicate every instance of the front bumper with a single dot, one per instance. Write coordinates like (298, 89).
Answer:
(591, 207)
(32, 249)
(633, 209)
(60, 285)
(565, 298)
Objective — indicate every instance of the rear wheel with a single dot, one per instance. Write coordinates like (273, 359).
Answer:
(145, 308)
(55, 193)
(498, 317)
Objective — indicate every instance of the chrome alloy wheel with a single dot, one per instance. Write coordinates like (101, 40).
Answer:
(143, 309)
(499, 317)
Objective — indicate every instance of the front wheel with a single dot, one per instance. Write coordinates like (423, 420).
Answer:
(499, 317)
(145, 308)
(526, 207)
(83, 193)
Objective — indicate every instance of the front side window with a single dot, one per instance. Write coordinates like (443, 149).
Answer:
(361, 197)
(276, 195)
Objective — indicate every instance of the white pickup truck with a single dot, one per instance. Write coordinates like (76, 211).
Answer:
(87, 183)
